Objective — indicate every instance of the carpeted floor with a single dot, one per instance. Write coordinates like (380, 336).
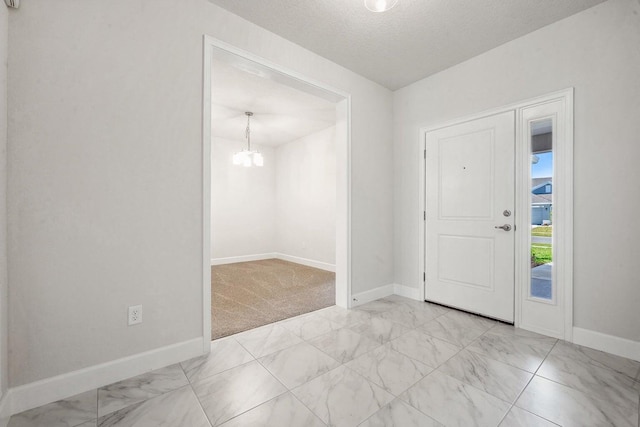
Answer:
(246, 295)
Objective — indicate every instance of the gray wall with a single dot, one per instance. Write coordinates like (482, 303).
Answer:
(243, 202)
(306, 197)
(597, 52)
(4, 39)
(105, 174)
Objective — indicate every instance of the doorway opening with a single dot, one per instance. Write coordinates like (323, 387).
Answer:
(276, 241)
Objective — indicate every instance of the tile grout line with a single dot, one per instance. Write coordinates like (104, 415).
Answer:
(289, 390)
(264, 355)
(98, 403)
(455, 343)
(409, 329)
(490, 358)
(221, 372)
(200, 404)
(98, 416)
(436, 368)
(190, 383)
(335, 330)
(304, 404)
(403, 355)
(507, 363)
(527, 385)
(342, 364)
(257, 406)
(243, 364)
(430, 373)
(587, 394)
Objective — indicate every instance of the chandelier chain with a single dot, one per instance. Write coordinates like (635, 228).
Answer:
(247, 132)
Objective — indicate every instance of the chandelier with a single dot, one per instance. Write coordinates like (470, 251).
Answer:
(248, 157)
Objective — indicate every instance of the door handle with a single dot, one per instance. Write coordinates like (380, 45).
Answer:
(505, 227)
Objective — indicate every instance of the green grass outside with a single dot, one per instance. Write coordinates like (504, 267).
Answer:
(541, 253)
(543, 231)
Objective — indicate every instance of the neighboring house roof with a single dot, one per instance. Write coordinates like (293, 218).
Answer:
(535, 182)
(541, 199)
(540, 182)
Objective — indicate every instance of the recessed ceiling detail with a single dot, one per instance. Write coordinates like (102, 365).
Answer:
(281, 114)
(411, 41)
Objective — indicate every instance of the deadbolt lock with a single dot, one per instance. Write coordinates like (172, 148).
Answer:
(506, 212)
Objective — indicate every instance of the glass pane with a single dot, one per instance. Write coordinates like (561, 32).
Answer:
(541, 209)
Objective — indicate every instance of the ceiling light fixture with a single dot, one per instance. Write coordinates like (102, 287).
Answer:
(379, 5)
(248, 157)
(13, 3)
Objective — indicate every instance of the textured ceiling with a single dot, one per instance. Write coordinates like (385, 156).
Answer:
(281, 114)
(413, 40)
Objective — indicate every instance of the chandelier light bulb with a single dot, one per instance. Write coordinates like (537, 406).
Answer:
(258, 160)
(237, 158)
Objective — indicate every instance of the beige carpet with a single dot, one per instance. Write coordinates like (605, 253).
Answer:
(246, 295)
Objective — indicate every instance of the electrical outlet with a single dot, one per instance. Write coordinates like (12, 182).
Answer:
(135, 314)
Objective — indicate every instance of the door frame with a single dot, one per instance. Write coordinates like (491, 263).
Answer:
(564, 237)
(213, 47)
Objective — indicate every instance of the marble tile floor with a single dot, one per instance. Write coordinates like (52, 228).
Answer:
(392, 362)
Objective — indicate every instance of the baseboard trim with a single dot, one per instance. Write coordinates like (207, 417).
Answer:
(38, 393)
(385, 291)
(406, 291)
(609, 343)
(242, 258)
(308, 262)
(372, 295)
(291, 258)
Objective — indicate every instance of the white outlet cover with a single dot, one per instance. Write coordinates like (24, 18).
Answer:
(135, 315)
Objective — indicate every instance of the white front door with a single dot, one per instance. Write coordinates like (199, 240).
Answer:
(469, 192)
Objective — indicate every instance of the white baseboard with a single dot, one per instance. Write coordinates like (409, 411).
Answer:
(242, 258)
(308, 262)
(49, 390)
(406, 291)
(609, 343)
(259, 257)
(373, 294)
(385, 291)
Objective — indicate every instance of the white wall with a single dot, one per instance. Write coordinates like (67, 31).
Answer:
(597, 52)
(4, 36)
(286, 207)
(306, 197)
(243, 202)
(105, 174)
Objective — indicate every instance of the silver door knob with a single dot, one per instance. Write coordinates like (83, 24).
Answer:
(505, 227)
